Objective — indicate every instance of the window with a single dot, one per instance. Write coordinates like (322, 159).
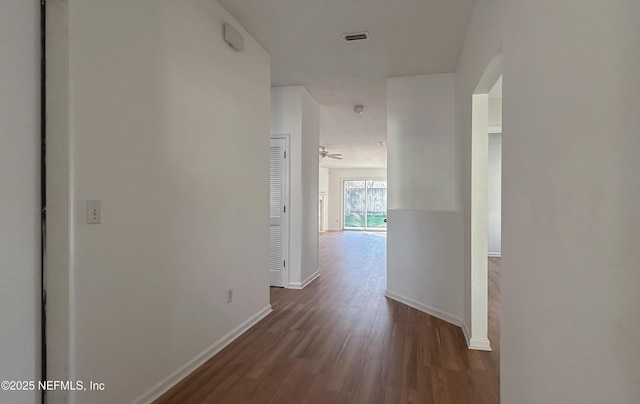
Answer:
(365, 204)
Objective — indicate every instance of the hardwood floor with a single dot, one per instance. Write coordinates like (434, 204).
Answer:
(340, 340)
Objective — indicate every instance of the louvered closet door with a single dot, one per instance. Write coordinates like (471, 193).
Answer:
(277, 182)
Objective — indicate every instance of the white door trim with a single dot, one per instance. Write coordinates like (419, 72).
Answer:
(477, 333)
(322, 201)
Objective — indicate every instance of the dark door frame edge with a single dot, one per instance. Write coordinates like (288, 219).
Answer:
(43, 199)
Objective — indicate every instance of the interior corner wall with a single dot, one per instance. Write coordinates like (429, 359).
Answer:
(166, 127)
(310, 186)
(424, 247)
(296, 113)
(20, 195)
(337, 175)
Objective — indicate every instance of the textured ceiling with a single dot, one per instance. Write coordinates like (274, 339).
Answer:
(407, 37)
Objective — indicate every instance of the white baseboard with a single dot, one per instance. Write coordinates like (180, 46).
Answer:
(432, 311)
(495, 254)
(478, 344)
(173, 379)
(303, 284)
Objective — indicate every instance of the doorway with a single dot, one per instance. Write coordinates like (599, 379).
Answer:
(482, 113)
(278, 197)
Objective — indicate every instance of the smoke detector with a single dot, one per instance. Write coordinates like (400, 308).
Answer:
(358, 109)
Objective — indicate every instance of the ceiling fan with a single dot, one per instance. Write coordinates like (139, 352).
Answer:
(324, 153)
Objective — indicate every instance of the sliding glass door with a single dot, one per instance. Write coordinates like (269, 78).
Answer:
(354, 204)
(365, 204)
(376, 204)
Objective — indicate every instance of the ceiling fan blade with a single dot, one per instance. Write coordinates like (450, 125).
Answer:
(324, 153)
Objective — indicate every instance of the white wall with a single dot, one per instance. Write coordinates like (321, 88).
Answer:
(571, 221)
(296, 113)
(59, 242)
(424, 248)
(571, 226)
(424, 261)
(310, 174)
(167, 128)
(323, 188)
(421, 152)
(495, 192)
(336, 176)
(20, 196)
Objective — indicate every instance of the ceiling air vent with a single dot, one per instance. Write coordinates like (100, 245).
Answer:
(356, 36)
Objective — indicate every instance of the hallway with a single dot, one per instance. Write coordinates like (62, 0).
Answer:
(340, 340)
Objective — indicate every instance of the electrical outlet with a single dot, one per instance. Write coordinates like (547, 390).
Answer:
(93, 212)
(229, 295)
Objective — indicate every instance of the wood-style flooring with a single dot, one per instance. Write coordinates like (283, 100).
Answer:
(340, 340)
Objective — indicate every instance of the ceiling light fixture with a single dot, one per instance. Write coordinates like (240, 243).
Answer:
(358, 109)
